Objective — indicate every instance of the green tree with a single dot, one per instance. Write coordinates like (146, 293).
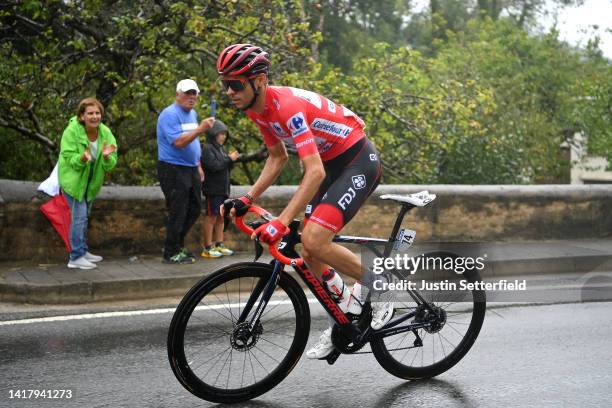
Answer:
(129, 55)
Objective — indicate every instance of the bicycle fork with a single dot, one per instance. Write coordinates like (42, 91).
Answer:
(265, 289)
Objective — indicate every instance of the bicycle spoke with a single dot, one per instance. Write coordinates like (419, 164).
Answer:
(453, 322)
(229, 303)
(210, 307)
(269, 356)
(206, 345)
(282, 314)
(457, 331)
(278, 328)
(243, 370)
(229, 370)
(225, 306)
(252, 368)
(447, 340)
(256, 359)
(280, 302)
(219, 356)
(214, 327)
(441, 344)
(205, 335)
(224, 363)
(284, 348)
(438, 346)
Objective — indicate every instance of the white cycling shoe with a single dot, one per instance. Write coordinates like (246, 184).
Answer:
(323, 348)
(382, 312)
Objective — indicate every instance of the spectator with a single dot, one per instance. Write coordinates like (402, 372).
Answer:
(216, 188)
(88, 151)
(178, 168)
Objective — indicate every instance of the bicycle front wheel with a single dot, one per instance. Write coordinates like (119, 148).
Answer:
(426, 352)
(218, 358)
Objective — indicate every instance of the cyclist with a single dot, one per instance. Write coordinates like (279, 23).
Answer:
(341, 166)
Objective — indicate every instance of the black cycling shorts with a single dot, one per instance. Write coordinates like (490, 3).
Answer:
(350, 179)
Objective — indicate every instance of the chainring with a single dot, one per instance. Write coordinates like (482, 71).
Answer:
(344, 343)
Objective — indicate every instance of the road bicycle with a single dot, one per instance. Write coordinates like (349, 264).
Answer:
(241, 330)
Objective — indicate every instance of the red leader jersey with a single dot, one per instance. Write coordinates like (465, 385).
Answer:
(307, 122)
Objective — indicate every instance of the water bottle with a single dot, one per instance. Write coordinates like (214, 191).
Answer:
(354, 302)
(336, 288)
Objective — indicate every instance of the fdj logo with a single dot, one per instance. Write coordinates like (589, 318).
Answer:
(347, 198)
(359, 181)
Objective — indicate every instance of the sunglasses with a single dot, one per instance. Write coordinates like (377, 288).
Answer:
(236, 84)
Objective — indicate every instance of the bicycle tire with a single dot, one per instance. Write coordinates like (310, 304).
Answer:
(204, 294)
(381, 347)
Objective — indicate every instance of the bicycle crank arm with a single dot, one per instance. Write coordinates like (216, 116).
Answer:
(331, 359)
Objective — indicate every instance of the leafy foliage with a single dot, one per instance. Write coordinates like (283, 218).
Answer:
(462, 92)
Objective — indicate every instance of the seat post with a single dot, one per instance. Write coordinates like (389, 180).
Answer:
(400, 218)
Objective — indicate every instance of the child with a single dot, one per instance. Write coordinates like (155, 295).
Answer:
(216, 188)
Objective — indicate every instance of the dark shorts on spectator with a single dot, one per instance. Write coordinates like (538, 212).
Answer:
(213, 202)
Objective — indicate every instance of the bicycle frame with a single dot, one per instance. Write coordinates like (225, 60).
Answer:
(287, 248)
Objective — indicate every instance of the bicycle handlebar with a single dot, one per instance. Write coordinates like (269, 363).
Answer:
(271, 247)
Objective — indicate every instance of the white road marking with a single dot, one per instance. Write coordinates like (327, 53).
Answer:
(87, 316)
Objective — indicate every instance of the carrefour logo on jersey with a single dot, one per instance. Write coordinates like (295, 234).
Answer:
(297, 124)
(332, 128)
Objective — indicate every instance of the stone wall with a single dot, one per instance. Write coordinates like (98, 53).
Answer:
(129, 221)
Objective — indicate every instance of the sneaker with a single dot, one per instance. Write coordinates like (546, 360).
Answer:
(382, 312)
(92, 258)
(81, 263)
(179, 258)
(188, 253)
(211, 253)
(323, 348)
(223, 250)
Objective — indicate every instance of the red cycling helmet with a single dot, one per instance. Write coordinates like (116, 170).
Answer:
(243, 59)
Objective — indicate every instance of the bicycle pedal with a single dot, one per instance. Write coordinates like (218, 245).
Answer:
(331, 359)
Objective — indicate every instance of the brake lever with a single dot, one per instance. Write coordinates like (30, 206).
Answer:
(258, 247)
(227, 207)
(258, 250)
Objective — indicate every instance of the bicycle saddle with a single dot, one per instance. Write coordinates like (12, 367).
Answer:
(420, 199)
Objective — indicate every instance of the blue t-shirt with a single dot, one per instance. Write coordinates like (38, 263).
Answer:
(173, 122)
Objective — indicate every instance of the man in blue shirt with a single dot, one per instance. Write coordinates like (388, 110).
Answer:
(178, 168)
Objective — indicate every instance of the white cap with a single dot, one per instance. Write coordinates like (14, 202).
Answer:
(185, 85)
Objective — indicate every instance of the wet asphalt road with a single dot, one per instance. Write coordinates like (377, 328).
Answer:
(529, 356)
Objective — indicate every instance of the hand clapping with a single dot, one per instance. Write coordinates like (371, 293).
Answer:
(108, 150)
(86, 156)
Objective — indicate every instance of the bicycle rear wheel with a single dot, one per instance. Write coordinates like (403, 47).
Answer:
(430, 351)
(220, 360)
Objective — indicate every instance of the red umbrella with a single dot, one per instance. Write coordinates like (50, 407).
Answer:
(58, 212)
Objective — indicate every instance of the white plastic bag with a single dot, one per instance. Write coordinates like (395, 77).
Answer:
(51, 185)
